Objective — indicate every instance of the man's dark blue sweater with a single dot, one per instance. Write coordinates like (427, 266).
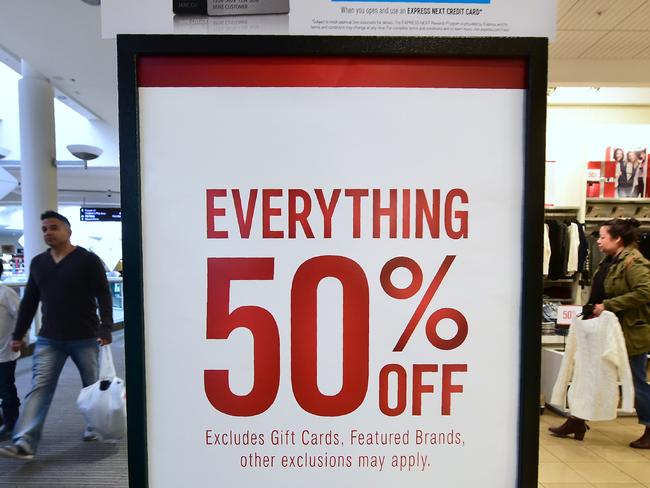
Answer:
(70, 292)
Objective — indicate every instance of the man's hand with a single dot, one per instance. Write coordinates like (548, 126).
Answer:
(104, 342)
(16, 345)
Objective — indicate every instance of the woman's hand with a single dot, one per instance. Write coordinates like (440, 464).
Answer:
(598, 309)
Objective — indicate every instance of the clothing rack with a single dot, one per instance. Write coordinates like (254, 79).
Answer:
(565, 215)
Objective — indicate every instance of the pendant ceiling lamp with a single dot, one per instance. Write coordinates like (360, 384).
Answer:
(84, 152)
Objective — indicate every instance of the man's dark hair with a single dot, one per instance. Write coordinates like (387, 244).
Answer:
(51, 214)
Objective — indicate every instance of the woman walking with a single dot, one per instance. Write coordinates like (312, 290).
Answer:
(622, 286)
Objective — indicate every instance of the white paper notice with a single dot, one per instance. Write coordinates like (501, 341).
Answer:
(467, 18)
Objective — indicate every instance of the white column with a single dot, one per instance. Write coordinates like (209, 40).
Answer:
(38, 152)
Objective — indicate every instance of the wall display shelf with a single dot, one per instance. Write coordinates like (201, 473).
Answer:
(599, 210)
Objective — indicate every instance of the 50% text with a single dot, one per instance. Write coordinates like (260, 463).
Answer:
(418, 385)
(221, 321)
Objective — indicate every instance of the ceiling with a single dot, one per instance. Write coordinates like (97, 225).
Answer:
(62, 39)
(602, 29)
(93, 187)
(599, 43)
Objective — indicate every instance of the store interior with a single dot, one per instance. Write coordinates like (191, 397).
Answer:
(598, 100)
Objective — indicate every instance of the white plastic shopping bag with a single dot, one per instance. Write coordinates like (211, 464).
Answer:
(103, 404)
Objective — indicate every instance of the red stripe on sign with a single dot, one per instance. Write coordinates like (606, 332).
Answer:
(285, 71)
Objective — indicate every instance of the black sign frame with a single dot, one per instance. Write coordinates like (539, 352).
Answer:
(533, 50)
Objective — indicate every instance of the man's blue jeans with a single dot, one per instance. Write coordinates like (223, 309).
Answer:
(639, 365)
(49, 357)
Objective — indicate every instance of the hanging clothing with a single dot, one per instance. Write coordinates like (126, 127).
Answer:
(583, 250)
(574, 248)
(547, 251)
(594, 362)
(559, 236)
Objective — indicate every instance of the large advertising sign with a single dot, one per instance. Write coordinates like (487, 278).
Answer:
(469, 18)
(333, 262)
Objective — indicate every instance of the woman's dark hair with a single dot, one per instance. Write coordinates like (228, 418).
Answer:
(622, 153)
(626, 229)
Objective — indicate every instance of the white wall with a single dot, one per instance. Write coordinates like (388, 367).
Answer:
(72, 128)
(577, 134)
(9, 127)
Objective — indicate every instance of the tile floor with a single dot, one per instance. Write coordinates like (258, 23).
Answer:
(602, 460)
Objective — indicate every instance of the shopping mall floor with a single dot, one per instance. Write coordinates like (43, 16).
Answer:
(603, 459)
(63, 459)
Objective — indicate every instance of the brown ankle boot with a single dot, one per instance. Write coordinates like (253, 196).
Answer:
(642, 442)
(573, 425)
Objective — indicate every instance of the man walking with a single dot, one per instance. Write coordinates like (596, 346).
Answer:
(70, 283)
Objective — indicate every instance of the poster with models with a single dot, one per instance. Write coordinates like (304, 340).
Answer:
(468, 18)
(319, 261)
(622, 174)
(631, 171)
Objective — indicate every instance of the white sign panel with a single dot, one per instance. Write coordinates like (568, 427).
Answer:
(332, 279)
(468, 18)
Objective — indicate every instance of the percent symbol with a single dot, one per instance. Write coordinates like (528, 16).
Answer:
(410, 290)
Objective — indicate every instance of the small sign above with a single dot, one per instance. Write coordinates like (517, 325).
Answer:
(93, 214)
(447, 18)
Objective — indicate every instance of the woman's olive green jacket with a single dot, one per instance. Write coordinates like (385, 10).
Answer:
(627, 292)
